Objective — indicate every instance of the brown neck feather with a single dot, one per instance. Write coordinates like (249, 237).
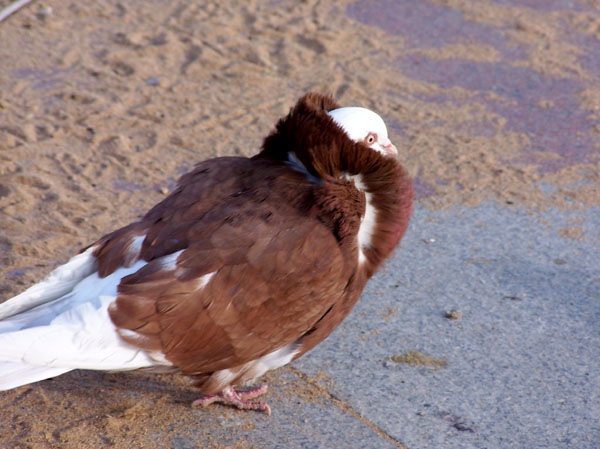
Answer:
(391, 196)
(329, 155)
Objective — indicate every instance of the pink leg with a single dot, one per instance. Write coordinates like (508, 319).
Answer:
(237, 399)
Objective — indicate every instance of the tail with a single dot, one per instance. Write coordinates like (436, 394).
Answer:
(13, 375)
(58, 283)
(62, 323)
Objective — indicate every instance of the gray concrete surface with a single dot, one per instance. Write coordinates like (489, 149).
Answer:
(520, 369)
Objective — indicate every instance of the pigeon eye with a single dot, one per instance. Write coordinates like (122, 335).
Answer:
(371, 138)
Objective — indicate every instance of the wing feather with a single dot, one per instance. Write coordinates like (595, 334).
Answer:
(274, 271)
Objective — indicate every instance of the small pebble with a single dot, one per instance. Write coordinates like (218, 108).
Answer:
(44, 11)
(154, 81)
(453, 314)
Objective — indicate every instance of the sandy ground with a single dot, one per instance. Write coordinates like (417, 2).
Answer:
(104, 104)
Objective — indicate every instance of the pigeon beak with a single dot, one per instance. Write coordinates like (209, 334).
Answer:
(390, 148)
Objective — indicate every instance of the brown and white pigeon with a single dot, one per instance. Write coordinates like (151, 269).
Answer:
(245, 266)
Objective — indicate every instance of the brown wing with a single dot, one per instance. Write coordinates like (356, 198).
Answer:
(167, 225)
(255, 272)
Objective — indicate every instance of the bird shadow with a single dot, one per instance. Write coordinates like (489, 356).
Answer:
(83, 384)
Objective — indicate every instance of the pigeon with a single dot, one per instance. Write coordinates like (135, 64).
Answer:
(244, 267)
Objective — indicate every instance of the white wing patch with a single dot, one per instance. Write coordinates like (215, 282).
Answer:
(204, 280)
(159, 358)
(135, 247)
(169, 263)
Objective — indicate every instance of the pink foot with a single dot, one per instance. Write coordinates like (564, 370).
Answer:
(237, 399)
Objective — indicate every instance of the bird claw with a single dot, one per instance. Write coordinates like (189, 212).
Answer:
(238, 399)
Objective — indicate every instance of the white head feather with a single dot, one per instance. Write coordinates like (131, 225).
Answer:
(364, 125)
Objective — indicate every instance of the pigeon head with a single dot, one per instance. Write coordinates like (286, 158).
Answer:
(365, 126)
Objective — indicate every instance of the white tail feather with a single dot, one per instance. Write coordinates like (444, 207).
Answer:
(58, 283)
(46, 333)
(13, 375)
